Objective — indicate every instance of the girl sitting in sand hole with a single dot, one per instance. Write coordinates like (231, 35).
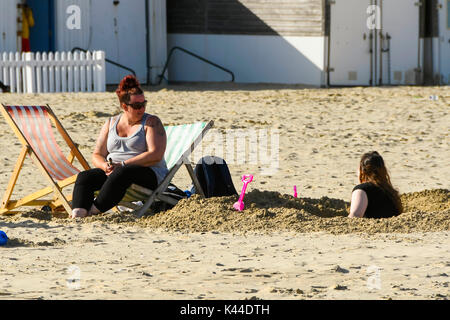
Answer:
(374, 197)
(130, 149)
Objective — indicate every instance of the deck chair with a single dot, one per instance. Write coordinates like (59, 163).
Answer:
(32, 126)
(181, 141)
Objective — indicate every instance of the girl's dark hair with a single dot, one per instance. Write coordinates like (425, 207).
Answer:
(127, 87)
(372, 169)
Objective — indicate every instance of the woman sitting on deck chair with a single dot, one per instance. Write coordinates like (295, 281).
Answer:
(129, 150)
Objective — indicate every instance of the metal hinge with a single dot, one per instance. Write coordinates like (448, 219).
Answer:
(329, 69)
(418, 3)
(331, 1)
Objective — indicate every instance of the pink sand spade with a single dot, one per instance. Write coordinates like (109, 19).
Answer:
(246, 179)
(295, 191)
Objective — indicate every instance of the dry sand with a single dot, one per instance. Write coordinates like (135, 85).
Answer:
(280, 247)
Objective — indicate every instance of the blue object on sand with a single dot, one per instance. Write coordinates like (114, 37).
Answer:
(3, 238)
(188, 193)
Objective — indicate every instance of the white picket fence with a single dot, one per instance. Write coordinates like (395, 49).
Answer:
(28, 72)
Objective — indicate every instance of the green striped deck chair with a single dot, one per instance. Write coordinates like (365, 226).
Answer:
(181, 141)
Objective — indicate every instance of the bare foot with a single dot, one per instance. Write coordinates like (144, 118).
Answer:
(93, 210)
(79, 213)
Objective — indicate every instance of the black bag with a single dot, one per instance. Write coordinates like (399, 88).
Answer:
(214, 177)
(173, 192)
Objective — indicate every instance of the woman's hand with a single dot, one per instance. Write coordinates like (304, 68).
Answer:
(109, 167)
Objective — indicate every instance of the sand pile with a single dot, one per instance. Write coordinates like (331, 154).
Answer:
(428, 200)
(266, 211)
(270, 212)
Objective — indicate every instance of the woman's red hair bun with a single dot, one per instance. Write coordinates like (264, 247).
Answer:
(128, 83)
(127, 86)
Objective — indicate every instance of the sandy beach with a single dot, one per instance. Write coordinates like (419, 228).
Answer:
(279, 247)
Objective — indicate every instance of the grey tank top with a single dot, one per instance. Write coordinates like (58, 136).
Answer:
(124, 148)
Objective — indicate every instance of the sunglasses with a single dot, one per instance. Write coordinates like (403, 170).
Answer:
(137, 105)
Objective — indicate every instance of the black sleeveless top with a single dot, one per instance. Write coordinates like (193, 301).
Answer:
(380, 205)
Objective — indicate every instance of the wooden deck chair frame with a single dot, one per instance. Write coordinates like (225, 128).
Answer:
(157, 194)
(56, 186)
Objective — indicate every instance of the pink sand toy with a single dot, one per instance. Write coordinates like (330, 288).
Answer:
(295, 191)
(246, 179)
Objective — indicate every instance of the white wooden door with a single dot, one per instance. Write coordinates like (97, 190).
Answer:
(8, 25)
(349, 43)
(118, 28)
(400, 19)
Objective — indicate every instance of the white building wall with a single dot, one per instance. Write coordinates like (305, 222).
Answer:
(352, 25)
(252, 59)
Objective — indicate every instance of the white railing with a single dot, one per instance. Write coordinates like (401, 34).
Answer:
(28, 72)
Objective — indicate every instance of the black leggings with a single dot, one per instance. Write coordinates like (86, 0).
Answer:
(112, 188)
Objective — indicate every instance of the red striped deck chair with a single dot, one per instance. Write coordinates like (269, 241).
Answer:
(32, 126)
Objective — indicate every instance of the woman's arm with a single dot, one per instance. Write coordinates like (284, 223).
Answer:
(101, 151)
(156, 138)
(359, 204)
